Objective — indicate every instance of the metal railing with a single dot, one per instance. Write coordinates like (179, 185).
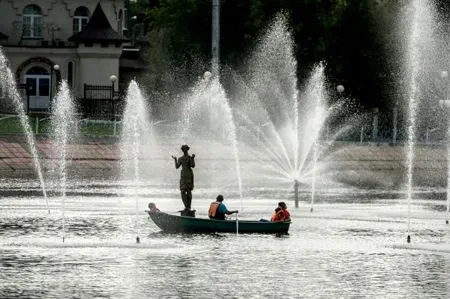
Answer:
(100, 113)
(100, 102)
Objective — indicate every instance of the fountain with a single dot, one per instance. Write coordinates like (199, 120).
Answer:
(63, 123)
(279, 143)
(208, 117)
(135, 132)
(8, 84)
(420, 61)
(278, 124)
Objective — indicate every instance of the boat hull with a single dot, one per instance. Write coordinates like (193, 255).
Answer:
(182, 224)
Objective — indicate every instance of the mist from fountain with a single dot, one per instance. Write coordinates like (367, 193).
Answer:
(63, 131)
(8, 84)
(136, 129)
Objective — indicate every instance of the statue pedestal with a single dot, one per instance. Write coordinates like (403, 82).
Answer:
(187, 213)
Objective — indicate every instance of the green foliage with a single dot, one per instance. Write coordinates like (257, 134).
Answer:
(350, 35)
(97, 129)
(41, 125)
(12, 125)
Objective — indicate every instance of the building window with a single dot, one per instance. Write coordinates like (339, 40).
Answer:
(32, 21)
(80, 19)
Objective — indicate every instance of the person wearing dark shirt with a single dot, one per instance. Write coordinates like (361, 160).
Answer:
(218, 210)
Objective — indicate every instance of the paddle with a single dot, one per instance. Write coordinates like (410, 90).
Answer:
(237, 224)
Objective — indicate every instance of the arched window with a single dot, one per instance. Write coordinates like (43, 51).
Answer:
(32, 21)
(80, 19)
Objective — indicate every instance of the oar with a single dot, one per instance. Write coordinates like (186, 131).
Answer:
(237, 225)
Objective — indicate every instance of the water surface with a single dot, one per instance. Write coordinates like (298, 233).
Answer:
(351, 246)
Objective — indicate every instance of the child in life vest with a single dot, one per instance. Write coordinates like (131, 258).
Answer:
(277, 215)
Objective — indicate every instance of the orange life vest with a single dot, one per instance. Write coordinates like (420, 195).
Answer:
(213, 207)
(277, 216)
(286, 216)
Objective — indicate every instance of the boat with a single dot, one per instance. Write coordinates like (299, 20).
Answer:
(185, 224)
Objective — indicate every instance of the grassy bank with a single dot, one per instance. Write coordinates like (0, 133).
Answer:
(40, 124)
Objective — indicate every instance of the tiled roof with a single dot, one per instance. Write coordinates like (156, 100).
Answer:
(97, 29)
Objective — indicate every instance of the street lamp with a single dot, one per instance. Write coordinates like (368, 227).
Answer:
(29, 90)
(54, 68)
(113, 79)
(133, 31)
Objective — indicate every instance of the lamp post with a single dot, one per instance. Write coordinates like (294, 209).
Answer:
(133, 31)
(445, 104)
(55, 68)
(394, 123)
(113, 79)
(215, 38)
(29, 89)
(340, 89)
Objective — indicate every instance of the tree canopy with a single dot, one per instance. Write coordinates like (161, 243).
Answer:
(356, 38)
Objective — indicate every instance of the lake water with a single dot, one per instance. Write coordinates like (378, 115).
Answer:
(352, 246)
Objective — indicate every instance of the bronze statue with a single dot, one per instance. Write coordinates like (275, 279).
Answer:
(187, 175)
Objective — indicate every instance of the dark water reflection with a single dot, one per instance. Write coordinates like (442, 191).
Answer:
(342, 250)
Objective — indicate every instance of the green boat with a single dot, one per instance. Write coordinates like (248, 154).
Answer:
(184, 224)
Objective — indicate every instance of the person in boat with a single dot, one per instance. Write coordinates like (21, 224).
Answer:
(286, 216)
(152, 208)
(186, 162)
(277, 215)
(218, 210)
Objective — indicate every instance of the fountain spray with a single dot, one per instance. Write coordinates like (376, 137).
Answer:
(63, 124)
(136, 124)
(8, 83)
(421, 26)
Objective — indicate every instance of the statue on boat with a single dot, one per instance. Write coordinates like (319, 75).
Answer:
(186, 162)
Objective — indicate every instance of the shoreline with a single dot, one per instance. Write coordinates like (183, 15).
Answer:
(364, 165)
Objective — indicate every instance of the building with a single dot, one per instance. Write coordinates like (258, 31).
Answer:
(77, 40)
